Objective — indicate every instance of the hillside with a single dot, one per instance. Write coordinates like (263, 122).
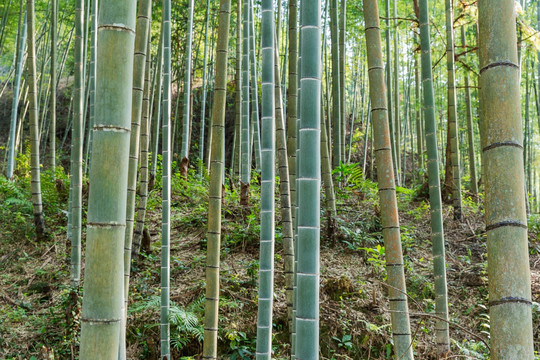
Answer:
(39, 316)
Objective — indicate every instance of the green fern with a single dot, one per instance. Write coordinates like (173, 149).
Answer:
(185, 324)
(13, 196)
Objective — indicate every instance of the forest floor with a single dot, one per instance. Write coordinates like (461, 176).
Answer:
(38, 316)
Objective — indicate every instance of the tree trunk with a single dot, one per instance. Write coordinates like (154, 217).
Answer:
(139, 62)
(309, 183)
(284, 189)
(266, 260)
(437, 231)
(216, 180)
(255, 134)
(103, 285)
(245, 165)
(166, 185)
(21, 41)
(506, 219)
(395, 94)
(39, 222)
(52, 129)
(145, 142)
(342, 65)
(204, 85)
(387, 192)
(184, 152)
(336, 96)
(453, 142)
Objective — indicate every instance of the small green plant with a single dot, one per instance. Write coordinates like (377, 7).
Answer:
(241, 346)
(376, 257)
(345, 342)
(185, 324)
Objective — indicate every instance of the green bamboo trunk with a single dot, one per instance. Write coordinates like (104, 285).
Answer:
(166, 185)
(309, 183)
(397, 291)
(39, 222)
(395, 94)
(292, 115)
(336, 96)
(284, 189)
(326, 171)
(184, 152)
(235, 163)
(437, 231)
(389, 92)
(216, 181)
(342, 85)
(91, 83)
(292, 98)
(470, 126)
(21, 40)
(139, 62)
(52, 104)
(144, 177)
(255, 134)
(452, 111)
(268, 134)
(245, 165)
(506, 219)
(76, 148)
(205, 84)
(296, 208)
(326, 146)
(156, 112)
(418, 110)
(103, 285)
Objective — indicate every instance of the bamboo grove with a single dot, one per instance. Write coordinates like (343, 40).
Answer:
(298, 99)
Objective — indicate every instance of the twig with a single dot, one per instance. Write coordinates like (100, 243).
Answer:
(454, 325)
(432, 315)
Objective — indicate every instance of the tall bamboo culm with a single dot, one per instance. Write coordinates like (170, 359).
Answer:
(235, 161)
(452, 111)
(284, 189)
(76, 147)
(39, 221)
(205, 84)
(292, 98)
(21, 41)
(216, 181)
(255, 137)
(292, 114)
(397, 291)
(103, 285)
(166, 184)
(309, 183)
(336, 96)
(266, 255)
(470, 126)
(184, 152)
(437, 231)
(145, 143)
(506, 219)
(342, 81)
(155, 108)
(52, 103)
(139, 63)
(245, 164)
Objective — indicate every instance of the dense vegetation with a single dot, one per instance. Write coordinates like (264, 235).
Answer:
(269, 180)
